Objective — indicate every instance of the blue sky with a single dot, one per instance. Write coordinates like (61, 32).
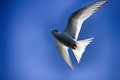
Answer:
(27, 45)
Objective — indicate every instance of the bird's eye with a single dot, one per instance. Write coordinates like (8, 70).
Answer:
(55, 30)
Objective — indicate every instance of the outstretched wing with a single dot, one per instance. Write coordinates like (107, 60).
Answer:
(77, 18)
(64, 53)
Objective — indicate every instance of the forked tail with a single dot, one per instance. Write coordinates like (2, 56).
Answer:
(81, 46)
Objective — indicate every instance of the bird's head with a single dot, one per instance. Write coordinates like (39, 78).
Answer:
(55, 32)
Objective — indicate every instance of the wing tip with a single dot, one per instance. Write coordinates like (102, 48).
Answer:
(104, 1)
(71, 66)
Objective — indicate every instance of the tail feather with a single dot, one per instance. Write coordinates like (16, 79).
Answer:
(81, 46)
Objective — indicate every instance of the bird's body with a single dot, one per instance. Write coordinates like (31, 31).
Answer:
(68, 38)
(65, 39)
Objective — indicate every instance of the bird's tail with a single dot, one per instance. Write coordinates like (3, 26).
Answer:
(81, 46)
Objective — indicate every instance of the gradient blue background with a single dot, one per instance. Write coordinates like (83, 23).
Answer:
(27, 45)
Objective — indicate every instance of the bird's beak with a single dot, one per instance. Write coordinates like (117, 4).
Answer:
(51, 29)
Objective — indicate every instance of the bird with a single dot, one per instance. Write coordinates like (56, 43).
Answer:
(69, 37)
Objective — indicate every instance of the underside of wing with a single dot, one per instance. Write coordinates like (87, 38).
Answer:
(64, 53)
(77, 18)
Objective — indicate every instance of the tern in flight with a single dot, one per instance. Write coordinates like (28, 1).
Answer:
(68, 38)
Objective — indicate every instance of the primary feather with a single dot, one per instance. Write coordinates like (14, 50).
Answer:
(77, 18)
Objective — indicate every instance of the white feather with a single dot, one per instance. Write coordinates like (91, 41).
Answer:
(64, 53)
(81, 46)
(77, 18)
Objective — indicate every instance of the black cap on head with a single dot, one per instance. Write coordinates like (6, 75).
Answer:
(55, 30)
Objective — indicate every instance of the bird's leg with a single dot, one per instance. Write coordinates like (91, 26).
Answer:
(74, 46)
